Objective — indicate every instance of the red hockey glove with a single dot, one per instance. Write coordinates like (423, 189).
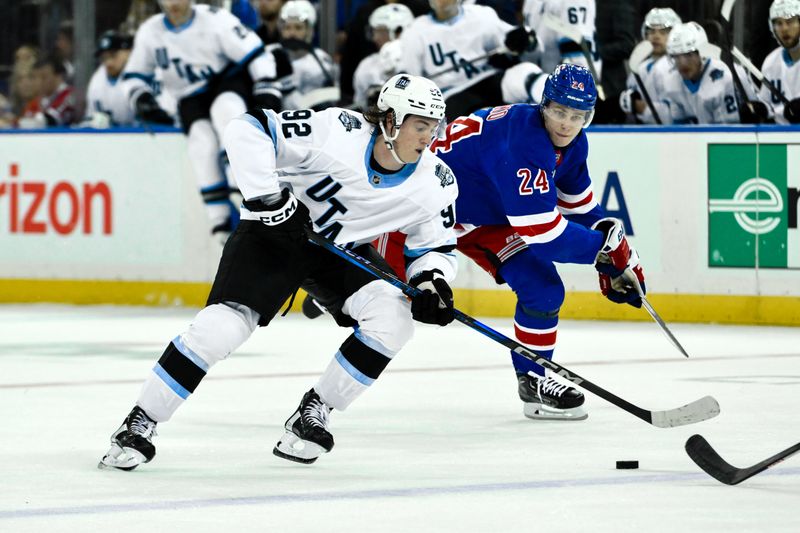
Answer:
(618, 265)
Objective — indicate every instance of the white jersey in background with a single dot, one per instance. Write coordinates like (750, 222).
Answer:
(309, 74)
(711, 100)
(324, 157)
(213, 41)
(369, 74)
(784, 74)
(652, 72)
(107, 96)
(576, 13)
(430, 46)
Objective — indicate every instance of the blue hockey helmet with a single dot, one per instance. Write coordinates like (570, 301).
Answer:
(571, 86)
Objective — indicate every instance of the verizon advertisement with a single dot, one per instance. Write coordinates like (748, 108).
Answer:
(100, 206)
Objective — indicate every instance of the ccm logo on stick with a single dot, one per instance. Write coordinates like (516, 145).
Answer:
(37, 206)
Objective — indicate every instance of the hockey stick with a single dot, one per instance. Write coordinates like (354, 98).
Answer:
(641, 52)
(697, 411)
(757, 74)
(631, 276)
(575, 35)
(701, 452)
(727, 57)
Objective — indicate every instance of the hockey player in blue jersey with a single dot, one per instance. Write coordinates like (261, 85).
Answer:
(525, 203)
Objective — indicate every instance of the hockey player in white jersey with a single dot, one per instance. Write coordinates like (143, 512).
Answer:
(214, 67)
(656, 27)
(314, 75)
(350, 177)
(386, 24)
(107, 102)
(554, 48)
(464, 48)
(701, 88)
(782, 65)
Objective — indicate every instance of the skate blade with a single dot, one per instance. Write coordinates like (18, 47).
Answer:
(293, 448)
(537, 411)
(121, 459)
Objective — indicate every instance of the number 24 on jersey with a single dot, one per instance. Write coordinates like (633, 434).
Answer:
(530, 183)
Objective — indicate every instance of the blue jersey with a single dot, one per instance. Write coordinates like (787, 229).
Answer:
(509, 172)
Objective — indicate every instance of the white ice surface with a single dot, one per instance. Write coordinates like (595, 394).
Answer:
(439, 443)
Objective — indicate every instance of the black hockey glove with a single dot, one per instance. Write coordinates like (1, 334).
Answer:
(148, 110)
(792, 111)
(267, 95)
(520, 40)
(288, 215)
(754, 113)
(503, 61)
(434, 305)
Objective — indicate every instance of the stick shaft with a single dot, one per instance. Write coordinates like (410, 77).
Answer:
(691, 413)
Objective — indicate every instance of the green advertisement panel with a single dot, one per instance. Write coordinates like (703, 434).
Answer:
(747, 206)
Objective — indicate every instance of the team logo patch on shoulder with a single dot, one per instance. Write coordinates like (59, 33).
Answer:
(403, 82)
(349, 121)
(445, 175)
(716, 74)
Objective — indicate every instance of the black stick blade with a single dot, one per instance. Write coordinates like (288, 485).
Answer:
(701, 452)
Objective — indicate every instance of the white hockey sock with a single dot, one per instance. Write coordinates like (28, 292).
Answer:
(337, 386)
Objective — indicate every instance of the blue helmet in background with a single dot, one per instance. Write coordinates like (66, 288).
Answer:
(571, 86)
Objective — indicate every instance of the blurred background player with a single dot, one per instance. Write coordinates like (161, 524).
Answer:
(525, 203)
(215, 68)
(386, 24)
(701, 90)
(107, 102)
(55, 105)
(312, 68)
(655, 29)
(356, 176)
(463, 47)
(616, 38)
(782, 65)
(269, 11)
(554, 48)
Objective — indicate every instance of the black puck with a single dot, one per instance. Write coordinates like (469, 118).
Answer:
(627, 465)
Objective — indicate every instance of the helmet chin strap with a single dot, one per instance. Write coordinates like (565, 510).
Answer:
(389, 142)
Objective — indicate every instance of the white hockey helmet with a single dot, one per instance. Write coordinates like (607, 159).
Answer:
(688, 37)
(390, 56)
(301, 10)
(393, 17)
(782, 9)
(405, 95)
(411, 95)
(660, 17)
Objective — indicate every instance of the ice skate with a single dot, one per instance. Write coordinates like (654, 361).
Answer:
(131, 444)
(307, 436)
(548, 399)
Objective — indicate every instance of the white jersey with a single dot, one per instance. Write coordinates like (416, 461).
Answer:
(710, 100)
(652, 72)
(212, 43)
(370, 75)
(785, 76)
(553, 48)
(106, 95)
(308, 75)
(431, 46)
(324, 157)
